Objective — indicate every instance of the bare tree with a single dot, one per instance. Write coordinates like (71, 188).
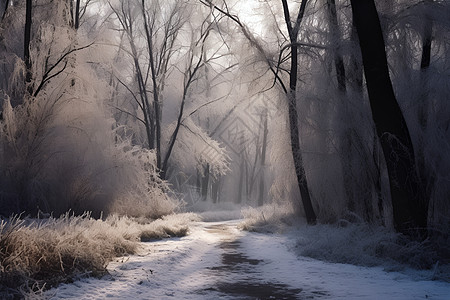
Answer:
(195, 63)
(127, 20)
(155, 61)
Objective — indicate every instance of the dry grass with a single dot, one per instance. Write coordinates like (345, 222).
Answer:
(176, 225)
(267, 218)
(355, 242)
(39, 254)
(372, 245)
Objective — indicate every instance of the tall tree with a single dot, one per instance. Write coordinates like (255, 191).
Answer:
(128, 23)
(292, 102)
(409, 205)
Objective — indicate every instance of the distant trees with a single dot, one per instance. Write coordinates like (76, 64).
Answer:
(165, 45)
(170, 80)
(288, 86)
(340, 126)
(158, 26)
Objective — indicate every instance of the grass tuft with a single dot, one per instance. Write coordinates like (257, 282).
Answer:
(39, 254)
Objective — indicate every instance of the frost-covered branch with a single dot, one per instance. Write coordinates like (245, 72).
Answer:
(249, 36)
(46, 77)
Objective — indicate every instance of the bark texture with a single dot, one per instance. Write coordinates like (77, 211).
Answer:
(409, 205)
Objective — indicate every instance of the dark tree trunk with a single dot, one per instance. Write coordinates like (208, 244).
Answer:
(409, 205)
(355, 79)
(26, 46)
(77, 15)
(426, 43)
(293, 116)
(5, 11)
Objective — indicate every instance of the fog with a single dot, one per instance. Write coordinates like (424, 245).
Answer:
(184, 106)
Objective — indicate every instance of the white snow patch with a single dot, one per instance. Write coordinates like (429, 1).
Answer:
(189, 268)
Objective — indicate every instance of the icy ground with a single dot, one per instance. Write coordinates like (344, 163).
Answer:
(218, 261)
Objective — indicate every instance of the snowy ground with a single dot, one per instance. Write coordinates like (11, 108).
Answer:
(217, 261)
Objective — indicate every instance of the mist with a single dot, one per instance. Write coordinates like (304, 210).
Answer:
(268, 111)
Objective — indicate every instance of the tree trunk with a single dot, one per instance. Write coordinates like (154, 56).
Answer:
(355, 75)
(355, 79)
(298, 161)
(26, 46)
(198, 181)
(241, 179)
(143, 95)
(205, 182)
(156, 104)
(263, 161)
(336, 36)
(77, 15)
(215, 188)
(293, 116)
(409, 205)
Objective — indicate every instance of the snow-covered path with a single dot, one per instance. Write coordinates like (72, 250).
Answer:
(217, 261)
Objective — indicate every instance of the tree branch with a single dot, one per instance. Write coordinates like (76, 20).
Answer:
(46, 77)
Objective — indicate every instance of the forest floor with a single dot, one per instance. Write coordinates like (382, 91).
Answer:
(219, 261)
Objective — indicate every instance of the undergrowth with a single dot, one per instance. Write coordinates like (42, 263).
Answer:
(267, 218)
(39, 254)
(356, 243)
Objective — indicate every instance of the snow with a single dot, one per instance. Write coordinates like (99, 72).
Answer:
(217, 260)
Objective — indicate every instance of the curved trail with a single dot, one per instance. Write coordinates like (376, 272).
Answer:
(218, 261)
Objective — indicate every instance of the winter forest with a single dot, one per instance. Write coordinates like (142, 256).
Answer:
(126, 122)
